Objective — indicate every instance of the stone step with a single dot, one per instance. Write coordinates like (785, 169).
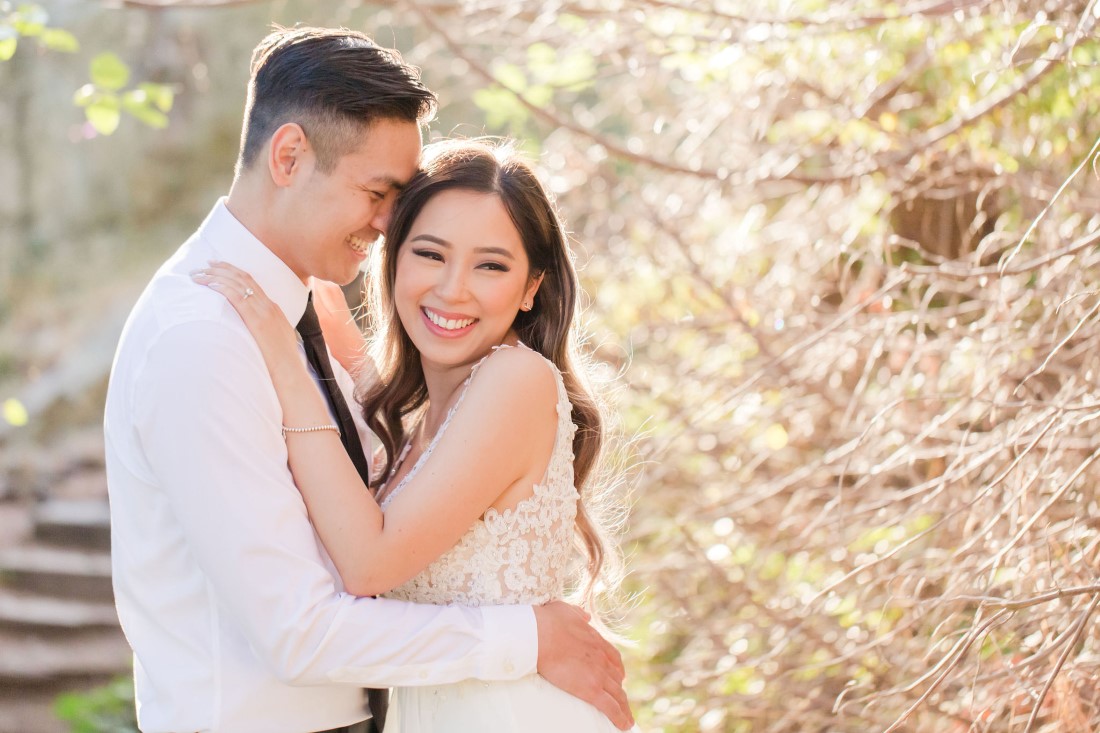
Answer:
(45, 614)
(35, 660)
(57, 571)
(29, 710)
(74, 523)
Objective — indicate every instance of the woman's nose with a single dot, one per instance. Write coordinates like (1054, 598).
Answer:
(452, 283)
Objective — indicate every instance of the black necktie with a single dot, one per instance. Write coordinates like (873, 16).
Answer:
(317, 354)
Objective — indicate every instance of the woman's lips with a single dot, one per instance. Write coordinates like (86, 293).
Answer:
(447, 324)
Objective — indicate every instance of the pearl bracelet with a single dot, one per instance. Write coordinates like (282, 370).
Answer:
(311, 429)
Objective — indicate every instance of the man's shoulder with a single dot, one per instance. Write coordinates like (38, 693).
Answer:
(173, 308)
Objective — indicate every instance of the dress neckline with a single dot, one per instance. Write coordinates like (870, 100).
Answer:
(389, 495)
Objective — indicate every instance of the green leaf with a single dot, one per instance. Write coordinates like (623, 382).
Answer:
(540, 95)
(57, 39)
(573, 72)
(7, 48)
(773, 566)
(69, 706)
(502, 109)
(541, 57)
(29, 20)
(1063, 107)
(138, 104)
(161, 95)
(14, 413)
(573, 24)
(104, 709)
(28, 30)
(510, 77)
(108, 71)
(33, 14)
(85, 95)
(104, 115)
(150, 116)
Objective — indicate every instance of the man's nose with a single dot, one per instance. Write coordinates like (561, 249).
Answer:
(380, 222)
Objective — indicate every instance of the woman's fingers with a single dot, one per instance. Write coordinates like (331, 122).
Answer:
(236, 285)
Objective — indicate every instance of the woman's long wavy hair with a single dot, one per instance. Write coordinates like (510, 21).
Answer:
(492, 168)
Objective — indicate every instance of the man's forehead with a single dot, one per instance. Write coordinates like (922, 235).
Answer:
(387, 156)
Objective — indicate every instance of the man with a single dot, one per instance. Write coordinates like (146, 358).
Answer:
(235, 613)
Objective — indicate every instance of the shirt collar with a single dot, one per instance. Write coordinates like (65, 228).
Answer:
(233, 243)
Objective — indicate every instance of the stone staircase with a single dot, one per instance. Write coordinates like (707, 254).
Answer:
(58, 628)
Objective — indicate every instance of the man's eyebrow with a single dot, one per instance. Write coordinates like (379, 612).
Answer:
(387, 181)
(482, 250)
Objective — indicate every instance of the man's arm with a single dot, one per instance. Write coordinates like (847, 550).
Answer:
(208, 417)
(209, 427)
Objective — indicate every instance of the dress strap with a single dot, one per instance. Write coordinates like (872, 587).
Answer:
(443, 426)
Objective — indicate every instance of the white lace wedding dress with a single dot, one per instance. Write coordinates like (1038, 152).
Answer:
(520, 556)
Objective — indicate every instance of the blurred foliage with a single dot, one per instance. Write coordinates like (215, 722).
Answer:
(844, 256)
(826, 245)
(30, 21)
(108, 709)
(14, 413)
(104, 98)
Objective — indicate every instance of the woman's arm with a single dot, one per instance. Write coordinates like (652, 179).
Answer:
(506, 424)
(317, 460)
(502, 434)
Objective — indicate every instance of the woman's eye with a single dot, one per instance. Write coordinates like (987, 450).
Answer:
(428, 254)
(495, 267)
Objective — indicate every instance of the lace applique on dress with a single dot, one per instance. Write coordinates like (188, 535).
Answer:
(519, 556)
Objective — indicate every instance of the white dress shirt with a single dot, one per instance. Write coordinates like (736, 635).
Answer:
(237, 617)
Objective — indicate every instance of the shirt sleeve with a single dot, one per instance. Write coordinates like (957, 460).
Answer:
(208, 420)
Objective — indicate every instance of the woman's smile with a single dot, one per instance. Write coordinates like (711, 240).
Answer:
(448, 325)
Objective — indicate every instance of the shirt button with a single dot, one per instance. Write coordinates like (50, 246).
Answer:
(509, 667)
(423, 675)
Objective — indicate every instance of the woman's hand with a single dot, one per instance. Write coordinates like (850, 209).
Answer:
(342, 333)
(336, 496)
(267, 323)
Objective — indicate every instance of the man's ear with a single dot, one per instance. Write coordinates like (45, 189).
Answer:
(287, 153)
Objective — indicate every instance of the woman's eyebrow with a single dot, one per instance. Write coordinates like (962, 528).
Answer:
(481, 250)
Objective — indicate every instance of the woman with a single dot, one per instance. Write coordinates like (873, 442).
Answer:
(485, 421)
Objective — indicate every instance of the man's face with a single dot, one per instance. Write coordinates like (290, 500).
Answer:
(334, 217)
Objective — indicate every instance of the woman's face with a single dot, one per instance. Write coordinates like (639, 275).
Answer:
(462, 275)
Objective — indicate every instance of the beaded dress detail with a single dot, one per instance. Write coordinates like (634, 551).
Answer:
(518, 556)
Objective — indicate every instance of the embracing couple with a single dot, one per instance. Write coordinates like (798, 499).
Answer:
(268, 563)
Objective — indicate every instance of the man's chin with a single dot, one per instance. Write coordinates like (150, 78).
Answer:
(343, 279)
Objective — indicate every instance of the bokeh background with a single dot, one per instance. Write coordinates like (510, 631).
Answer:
(840, 259)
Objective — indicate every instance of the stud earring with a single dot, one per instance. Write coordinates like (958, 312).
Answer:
(525, 307)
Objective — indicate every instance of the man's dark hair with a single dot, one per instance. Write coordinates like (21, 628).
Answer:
(334, 83)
